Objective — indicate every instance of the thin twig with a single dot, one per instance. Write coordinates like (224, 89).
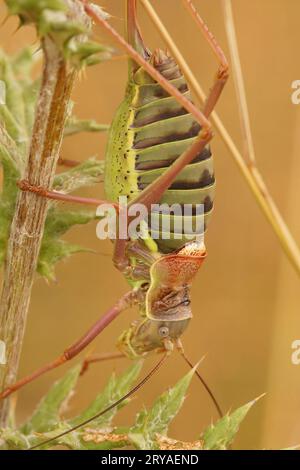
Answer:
(251, 175)
(249, 152)
(283, 232)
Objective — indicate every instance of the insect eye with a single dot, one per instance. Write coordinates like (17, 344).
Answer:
(163, 331)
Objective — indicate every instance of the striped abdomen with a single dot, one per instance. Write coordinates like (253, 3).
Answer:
(150, 131)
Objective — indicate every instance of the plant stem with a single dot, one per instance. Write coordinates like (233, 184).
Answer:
(272, 212)
(30, 214)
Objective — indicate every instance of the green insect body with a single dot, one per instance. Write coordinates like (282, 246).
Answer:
(149, 132)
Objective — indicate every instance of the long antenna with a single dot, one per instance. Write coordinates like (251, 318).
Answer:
(109, 408)
(205, 385)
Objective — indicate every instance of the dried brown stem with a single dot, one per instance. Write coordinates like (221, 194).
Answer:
(272, 212)
(30, 214)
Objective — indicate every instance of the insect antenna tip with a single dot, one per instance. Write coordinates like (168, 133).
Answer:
(205, 385)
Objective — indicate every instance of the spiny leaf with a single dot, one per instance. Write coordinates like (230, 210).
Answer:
(53, 251)
(157, 420)
(9, 149)
(20, 90)
(87, 173)
(66, 23)
(115, 389)
(10, 174)
(86, 439)
(71, 441)
(30, 11)
(75, 126)
(24, 61)
(219, 436)
(16, 120)
(8, 197)
(88, 52)
(13, 88)
(46, 416)
(149, 432)
(60, 221)
(19, 6)
(11, 439)
(51, 21)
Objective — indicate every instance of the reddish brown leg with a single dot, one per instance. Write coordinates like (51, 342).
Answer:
(223, 71)
(100, 358)
(93, 12)
(125, 302)
(55, 195)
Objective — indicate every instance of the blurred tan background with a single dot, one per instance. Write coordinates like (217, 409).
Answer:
(246, 297)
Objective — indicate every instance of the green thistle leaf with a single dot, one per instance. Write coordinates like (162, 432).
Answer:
(54, 251)
(157, 420)
(116, 388)
(8, 197)
(67, 25)
(72, 441)
(87, 52)
(31, 10)
(18, 6)
(60, 221)
(24, 61)
(75, 126)
(51, 21)
(149, 431)
(21, 94)
(86, 174)
(12, 439)
(220, 436)
(47, 414)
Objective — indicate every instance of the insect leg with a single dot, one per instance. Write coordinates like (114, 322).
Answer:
(93, 12)
(55, 195)
(125, 302)
(223, 70)
(134, 36)
(93, 358)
